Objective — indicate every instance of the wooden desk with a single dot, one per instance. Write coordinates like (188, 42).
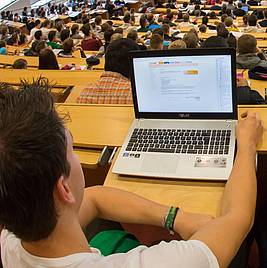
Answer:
(34, 61)
(88, 158)
(262, 43)
(95, 126)
(192, 196)
(76, 78)
(198, 196)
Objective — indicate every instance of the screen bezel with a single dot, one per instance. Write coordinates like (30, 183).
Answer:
(184, 52)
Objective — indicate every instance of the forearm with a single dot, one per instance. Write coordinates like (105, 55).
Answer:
(239, 196)
(126, 207)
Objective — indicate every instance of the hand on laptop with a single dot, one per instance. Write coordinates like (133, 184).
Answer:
(249, 130)
(186, 224)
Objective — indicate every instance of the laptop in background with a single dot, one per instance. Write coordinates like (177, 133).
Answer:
(186, 112)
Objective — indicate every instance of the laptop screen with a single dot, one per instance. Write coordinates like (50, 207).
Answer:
(184, 84)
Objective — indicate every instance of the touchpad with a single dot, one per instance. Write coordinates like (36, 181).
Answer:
(161, 164)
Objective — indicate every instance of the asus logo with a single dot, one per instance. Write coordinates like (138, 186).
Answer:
(183, 115)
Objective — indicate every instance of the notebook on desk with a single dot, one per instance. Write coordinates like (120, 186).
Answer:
(186, 112)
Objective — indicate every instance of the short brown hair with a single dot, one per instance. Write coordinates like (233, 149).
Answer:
(156, 41)
(68, 45)
(246, 43)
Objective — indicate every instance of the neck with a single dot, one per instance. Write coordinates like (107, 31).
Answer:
(66, 239)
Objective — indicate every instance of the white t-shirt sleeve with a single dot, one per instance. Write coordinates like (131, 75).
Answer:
(174, 254)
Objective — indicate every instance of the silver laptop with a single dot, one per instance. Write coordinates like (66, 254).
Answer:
(186, 112)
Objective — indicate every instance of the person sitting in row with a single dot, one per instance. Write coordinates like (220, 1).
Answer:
(75, 32)
(37, 27)
(229, 25)
(107, 37)
(249, 55)
(203, 28)
(38, 36)
(156, 42)
(53, 41)
(4, 32)
(143, 24)
(90, 42)
(68, 49)
(20, 64)
(186, 22)
(3, 50)
(48, 60)
(253, 26)
(114, 85)
(46, 28)
(177, 44)
(205, 20)
(191, 39)
(134, 36)
(64, 34)
(263, 23)
(239, 12)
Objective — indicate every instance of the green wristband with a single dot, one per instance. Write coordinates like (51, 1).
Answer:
(169, 222)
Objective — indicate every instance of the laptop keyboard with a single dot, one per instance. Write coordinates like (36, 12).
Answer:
(181, 141)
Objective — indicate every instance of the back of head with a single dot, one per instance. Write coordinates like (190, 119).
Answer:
(28, 169)
(38, 35)
(215, 41)
(46, 23)
(205, 20)
(86, 29)
(150, 17)
(116, 57)
(98, 20)
(74, 29)
(119, 30)
(64, 34)
(37, 23)
(133, 35)
(203, 28)
(59, 26)
(252, 20)
(223, 17)
(68, 45)
(51, 36)
(186, 17)
(2, 43)
(191, 40)
(127, 18)
(228, 21)
(246, 43)
(143, 21)
(159, 32)
(108, 34)
(3, 29)
(116, 36)
(47, 60)
(165, 28)
(20, 64)
(213, 15)
(177, 44)
(222, 31)
(40, 45)
(239, 5)
(156, 42)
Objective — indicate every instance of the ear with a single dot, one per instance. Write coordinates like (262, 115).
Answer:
(63, 191)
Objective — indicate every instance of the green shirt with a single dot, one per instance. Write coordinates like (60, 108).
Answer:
(54, 45)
